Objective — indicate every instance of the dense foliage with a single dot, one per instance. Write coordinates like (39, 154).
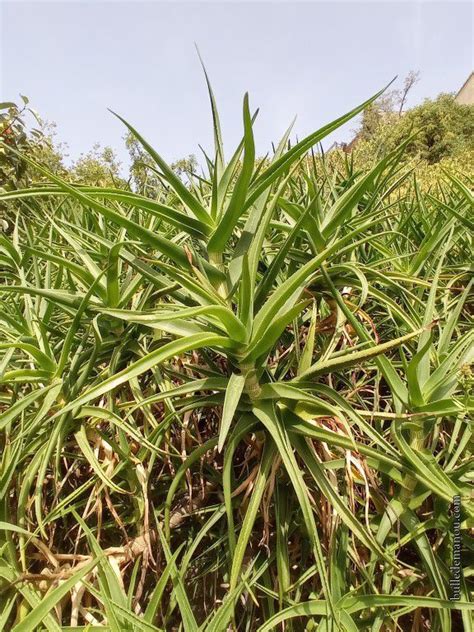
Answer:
(22, 129)
(239, 402)
(440, 128)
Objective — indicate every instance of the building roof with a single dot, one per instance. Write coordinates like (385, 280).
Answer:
(465, 94)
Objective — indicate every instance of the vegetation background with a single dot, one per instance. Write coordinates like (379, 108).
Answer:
(236, 394)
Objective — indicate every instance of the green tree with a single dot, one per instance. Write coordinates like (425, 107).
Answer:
(144, 176)
(22, 129)
(441, 128)
(36, 141)
(98, 167)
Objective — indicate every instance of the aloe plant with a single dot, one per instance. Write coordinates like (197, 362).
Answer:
(240, 404)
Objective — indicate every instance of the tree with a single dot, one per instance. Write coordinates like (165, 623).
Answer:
(98, 167)
(143, 173)
(410, 80)
(440, 128)
(37, 142)
(23, 130)
(443, 128)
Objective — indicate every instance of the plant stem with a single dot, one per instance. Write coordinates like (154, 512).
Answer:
(216, 259)
(417, 442)
(252, 385)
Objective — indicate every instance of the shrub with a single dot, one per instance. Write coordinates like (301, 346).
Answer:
(240, 404)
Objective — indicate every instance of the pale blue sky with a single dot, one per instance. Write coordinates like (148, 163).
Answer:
(315, 60)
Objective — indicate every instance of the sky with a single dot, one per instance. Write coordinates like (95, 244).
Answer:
(315, 60)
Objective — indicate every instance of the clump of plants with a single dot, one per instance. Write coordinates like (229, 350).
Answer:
(239, 402)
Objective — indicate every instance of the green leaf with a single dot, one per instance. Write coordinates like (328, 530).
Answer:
(282, 164)
(251, 513)
(158, 356)
(231, 401)
(235, 207)
(354, 358)
(189, 622)
(266, 413)
(34, 618)
(181, 190)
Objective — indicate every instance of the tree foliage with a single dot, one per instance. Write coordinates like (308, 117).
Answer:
(440, 128)
(21, 128)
